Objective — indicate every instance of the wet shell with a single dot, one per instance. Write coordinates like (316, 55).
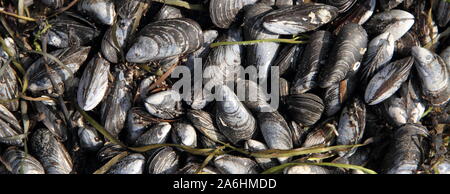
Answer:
(403, 45)
(342, 5)
(53, 3)
(21, 162)
(168, 12)
(380, 51)
(255, 97)
(388, 80)
(443, 13)
(165, 105)
(322, 135)
(184, 134)
(347, 53)
(407, 150)
(275, 131)
(53, 119)
(223, 13)
(72, 58)
(406, 106)
(164, 161)
(351, 127)
(9, 128)
(93, 84)
(228, 164)
(102, 11)
(396, 22)
(224, 63)
(434, 74)
(116, 37)
(359, 14)
(390, 4)
(305, 108)
(337, 95)
(155, 135)
(203, 122)
(166, 38)
(89, 138)
(109, 151)
(50, 152)
(233, 119)
(287, 59)
(191, 168)
(66, 31)
(314, 57)
(138, 120)
(299, 18)
(8, 87)
(260, 55)
(114, 109)
(306, 169)
(131, 164)
(255, 146)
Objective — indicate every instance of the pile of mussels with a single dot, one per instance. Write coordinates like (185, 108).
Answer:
(85, 87)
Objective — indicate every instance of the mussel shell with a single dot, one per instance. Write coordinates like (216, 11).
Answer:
(380, 51)
(299, 18)
(138, 120)
(21, 162)
(131, 164)
(387, 81)
(50, 152)
(168, 12)
(66, 31)
(203, 122)
(191, 168)
(347, 53)
(166, 38)
(403, 45)
(396, 22)
(306, 169)
(360, 13)
(255, 97)
(313, 58)
(260, 55)
(443, 13)
(102, 11)
(223, 13)
(305, 108)
(8, 87)
(390, 4)
(53, 119)
(342, 5)
(351, 127)
(228, 164)
(233, 119)
(109, 151)
(157, 134)
(93, 83)
(165, 104)
(275, 131)
(89, 138)
(116, 37)
(322, 134)
(55, 4)
(434, 74)
(9, 128)
(406, 152)
(184, 134)
(255, 146)
(406, 106)
(115, 108)
(72, 58)
(164, 161)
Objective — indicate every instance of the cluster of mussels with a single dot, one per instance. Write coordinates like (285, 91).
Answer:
(85, 87)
